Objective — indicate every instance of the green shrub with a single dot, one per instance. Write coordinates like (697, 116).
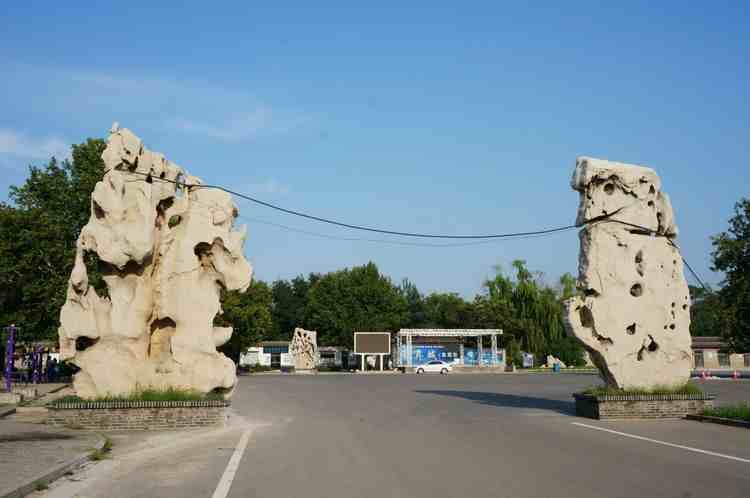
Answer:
(687, 388)
(170, 394)
(736, 412)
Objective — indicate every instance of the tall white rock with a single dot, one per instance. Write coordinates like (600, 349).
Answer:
(165, 251)
(633, 317)
(304, 349)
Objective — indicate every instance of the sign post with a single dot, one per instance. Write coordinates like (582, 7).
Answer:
(9, 353)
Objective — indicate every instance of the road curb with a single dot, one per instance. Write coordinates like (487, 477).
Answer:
(4, 412)
(52, 474)
(719, 420)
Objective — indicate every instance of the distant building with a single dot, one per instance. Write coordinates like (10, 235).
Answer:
(333, 356)
(275, 354)
(464, 348)
(711, 352)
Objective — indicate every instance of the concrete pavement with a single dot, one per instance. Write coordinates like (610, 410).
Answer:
(29, 452)
(414, 436)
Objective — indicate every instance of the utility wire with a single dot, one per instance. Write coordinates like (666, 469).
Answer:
(487, 238)
(370, 229)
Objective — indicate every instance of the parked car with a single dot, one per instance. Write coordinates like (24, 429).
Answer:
(435, 366)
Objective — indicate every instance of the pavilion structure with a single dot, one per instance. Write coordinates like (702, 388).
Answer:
(433, 338)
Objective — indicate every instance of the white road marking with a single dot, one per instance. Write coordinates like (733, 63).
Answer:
(222, 490)
(688, 448)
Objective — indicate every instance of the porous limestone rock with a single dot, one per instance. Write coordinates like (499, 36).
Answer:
(304, 349)
(166, 247)
(633, 316)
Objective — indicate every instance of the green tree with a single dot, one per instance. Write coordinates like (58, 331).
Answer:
(38, 233)
(449, 311)
(706, 313)
(731, 255)
(249, 313)
(528, 311)
(417, 316)
(357, 299)
(289, 303)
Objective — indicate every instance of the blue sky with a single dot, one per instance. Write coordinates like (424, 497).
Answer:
(453, 119)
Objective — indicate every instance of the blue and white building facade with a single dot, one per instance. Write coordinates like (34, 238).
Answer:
(461, 347)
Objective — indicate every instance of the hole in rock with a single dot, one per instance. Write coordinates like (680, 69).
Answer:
(609, 189)
(164, 204)
(639, 257)
(98, 211)
(636, 290)
(202, 249)
(630, 329)
(672, 326)
(651, 190)
(591, 292)
(652, 345)
(162, 174)
(149, 179)
(83, 343)
(587, 318)
(684, 306)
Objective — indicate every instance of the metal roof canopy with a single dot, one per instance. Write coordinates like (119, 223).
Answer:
(449, 332)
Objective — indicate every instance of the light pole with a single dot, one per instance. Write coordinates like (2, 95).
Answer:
(9, 352)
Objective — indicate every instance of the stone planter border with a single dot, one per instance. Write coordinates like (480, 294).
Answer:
(94, 405)
(641, 406)
(137, 415)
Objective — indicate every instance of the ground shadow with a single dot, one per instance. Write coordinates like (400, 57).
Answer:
(33, 436)
(509, 400)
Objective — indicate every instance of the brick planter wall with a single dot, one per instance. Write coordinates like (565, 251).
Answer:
(641, 406)
(137, 415)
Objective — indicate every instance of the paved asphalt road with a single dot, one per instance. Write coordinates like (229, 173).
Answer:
(428, 436)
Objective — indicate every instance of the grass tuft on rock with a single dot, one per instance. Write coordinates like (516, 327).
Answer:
(687, 388)
(734, 412)
(171, 394)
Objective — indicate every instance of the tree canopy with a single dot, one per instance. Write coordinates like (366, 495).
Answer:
(731, 255)
(38, 234)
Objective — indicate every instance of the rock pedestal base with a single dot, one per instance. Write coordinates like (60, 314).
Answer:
(641, 406)
(138, 415)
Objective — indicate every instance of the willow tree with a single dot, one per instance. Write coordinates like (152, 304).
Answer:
(528, 311)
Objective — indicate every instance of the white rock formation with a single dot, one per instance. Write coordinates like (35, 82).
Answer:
(304, 349)
(634, 315)
(166, 251)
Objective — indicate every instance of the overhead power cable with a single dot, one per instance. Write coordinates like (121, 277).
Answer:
(371, 229)
(486, 238)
